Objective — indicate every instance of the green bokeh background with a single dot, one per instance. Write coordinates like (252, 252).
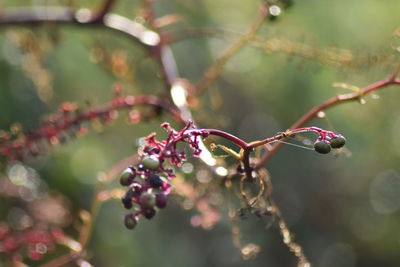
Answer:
(344, 210)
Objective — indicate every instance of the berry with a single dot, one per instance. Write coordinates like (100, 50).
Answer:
(147, 200)
(149, 213)
(155, 181)
(151, 162)
(130, 221)
(127, 199)
(161, 200)
(127, 202)
(338, 142)
(322, 147)
(127, 176)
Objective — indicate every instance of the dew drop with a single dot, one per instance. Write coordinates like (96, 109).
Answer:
(307, 142)
(275, 10)
(321, 115)
(375, 96)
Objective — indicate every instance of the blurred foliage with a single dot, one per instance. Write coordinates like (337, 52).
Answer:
(344, 210)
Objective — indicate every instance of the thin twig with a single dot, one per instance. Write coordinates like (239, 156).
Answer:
(62, 123)
(216, 69)
(61, 261)
(287, 237)
(87, 229)
(102, 11)
(392, 80)
(34, 16)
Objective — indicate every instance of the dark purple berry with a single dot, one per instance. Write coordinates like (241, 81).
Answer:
(127, 202)
(155, 181)
(148, 213)
(130, 221)
(127, 199)
(322, 147)
(161, 200)
(155, 150)
(127, 176)
(338, 142)
(147, 200)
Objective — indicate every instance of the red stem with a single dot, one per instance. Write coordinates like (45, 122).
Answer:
(237, 141)
(392, 80)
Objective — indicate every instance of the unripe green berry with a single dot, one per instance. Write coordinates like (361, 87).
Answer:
(322, 147)
(147, 200)
(127, 177)
(151, 162)
(130, 221)
(338, 142)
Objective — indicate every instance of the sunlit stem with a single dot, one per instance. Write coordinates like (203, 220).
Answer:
(288, 133)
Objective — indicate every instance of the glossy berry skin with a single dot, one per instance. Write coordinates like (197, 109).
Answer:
(322, 147)
(338, 142)
(161, 200)
(150, 162)
(127, 199)
(147, 200)
(127, 176)
(149, 213)
(130, 221)
(155, 181)
(127, 202)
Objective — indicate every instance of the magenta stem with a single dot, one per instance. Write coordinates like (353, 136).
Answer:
(237, 141)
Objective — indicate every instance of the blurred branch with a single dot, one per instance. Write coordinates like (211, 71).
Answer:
(61, 261)
(70, 119)
(339, 99)
(33, 16)
(89, 218)
(216, 69)
(339, 57)
(102, 11)
(85, 233)
(287, 236)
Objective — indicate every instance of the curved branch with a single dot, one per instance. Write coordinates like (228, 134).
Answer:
(102, 11)
(70, 119)
(34, 16)
(215, 70)
(237, 141)
(392, 80)
(62, 260)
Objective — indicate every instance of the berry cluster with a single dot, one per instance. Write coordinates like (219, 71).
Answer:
(327, 140)
(148, 182)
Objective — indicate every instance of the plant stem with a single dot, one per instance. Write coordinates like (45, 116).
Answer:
(237, 141)
(213, 72)
(392, 80)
